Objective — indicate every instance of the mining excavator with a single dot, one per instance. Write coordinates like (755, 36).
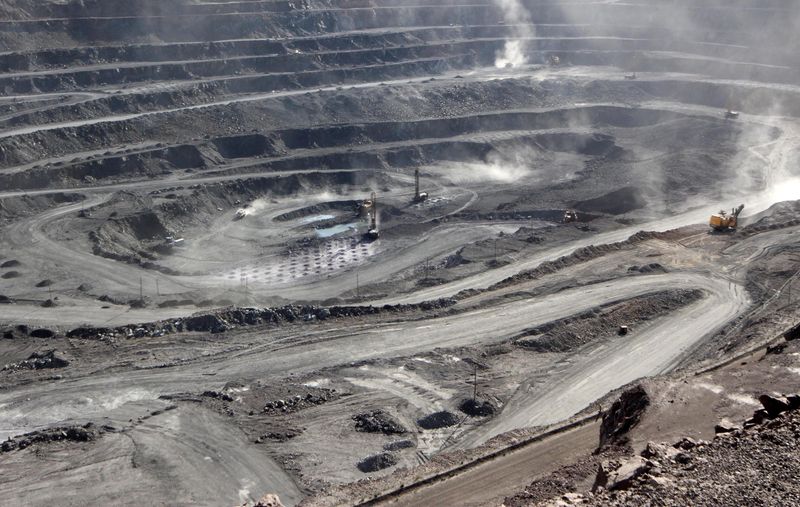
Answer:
(724, 221)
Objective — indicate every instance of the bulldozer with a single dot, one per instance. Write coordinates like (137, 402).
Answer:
(724, 221)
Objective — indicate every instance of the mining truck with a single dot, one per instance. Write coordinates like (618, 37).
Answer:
(724, 221)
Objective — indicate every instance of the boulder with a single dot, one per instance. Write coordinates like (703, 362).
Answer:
(660, 452)
(613, 475)
(269, 501)
(686, 443)
(774, 405)
(725, 426)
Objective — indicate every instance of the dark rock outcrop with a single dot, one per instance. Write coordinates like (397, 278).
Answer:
(623, 415)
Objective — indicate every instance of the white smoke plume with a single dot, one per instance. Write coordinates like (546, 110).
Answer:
(517, 17)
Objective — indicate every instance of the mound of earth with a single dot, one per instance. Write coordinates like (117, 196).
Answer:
(45, 283)
(377, 462)
(618, 202)
(398, 445)
(477, 408)
(11, 274)
(83, 433)
(572, 332)
(13, 263)
(378, 421)
(40, 361)
(438, 420)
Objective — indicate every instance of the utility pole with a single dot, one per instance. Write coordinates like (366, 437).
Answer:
(141, 289)
(357, 288)
(495, 252)
(158, 290)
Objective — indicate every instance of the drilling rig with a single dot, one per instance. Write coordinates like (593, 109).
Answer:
(366, 205)
(418, 196)
(723, 221)
(373, 233)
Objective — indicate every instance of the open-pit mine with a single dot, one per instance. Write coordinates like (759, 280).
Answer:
(383, 252)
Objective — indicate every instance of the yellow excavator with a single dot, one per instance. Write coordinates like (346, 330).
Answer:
(724, 221)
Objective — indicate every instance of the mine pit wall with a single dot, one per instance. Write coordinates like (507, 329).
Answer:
(177, 22)
(279, 143)
(26, 147)
(276, 143)
(615, 40)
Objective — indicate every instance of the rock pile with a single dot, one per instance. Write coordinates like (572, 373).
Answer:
(298, 402)
(477, 408)
(436, 420)
(377, 462)
(230, 318)
(751, 465)
(83, 433)
(39, 361)
(378, 421)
